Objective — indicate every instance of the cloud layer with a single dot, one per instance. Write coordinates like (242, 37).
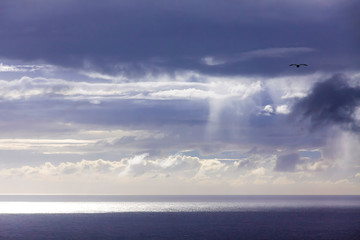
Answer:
(159, 97)
(134, 37)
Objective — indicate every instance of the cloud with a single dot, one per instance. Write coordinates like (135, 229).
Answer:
(213, 168)
(331, 102)
(132, 167)
(135, 37)
(268, 110)
(135, 165)
(283, 109)
(25, 68)
(8, 68)
(22, 144)
(174, 164)
(210, 114)
(99, 166)
(186, 85)
(318, 166)
(212, 61)
(207, 175)
(276, 52)
(259, 171)
(287, 162)
(258, 53)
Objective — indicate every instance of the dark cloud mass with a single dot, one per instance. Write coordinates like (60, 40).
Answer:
(331, 102)
(287, 162)
(115, 36)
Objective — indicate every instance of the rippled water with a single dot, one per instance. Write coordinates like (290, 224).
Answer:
(118, 204)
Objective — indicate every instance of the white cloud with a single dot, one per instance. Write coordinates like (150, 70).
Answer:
(179, 164)
(99, 166)
(86, 139)
(175, 173)
(290, 95)
(97, 75)
(259, 171)
(268, 110)
(134, 164)
(212, 61)
(182, 85)
(190, 93)
(95, 92)
(26, 144)
(142, 164)
(9, 68)
(317, 166)
(211, 168)
(282, 109)
(342, 181)
(24, 68)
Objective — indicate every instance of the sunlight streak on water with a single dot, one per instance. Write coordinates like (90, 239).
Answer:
(236, 204)
(108, 207)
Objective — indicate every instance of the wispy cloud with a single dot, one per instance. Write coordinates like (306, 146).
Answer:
(24, 68)
(28, 87)
(276, 52)
(258, 54)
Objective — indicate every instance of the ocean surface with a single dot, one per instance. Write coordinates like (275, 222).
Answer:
(179, 217)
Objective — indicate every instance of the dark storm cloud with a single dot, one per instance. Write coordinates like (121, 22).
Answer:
(331, 102)
(138, 36)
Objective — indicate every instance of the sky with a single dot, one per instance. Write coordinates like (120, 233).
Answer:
(179, 97)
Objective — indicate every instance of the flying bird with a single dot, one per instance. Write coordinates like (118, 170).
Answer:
(298, 65)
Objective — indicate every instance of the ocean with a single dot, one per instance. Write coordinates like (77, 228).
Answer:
(179, 217)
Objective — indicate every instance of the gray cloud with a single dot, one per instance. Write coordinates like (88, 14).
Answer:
(259, 53)
(287, 162)
(331, 102)
(136, 36)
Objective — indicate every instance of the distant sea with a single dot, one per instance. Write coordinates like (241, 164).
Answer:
(179, 217)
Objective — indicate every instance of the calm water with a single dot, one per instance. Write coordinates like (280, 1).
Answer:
(179, 217)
